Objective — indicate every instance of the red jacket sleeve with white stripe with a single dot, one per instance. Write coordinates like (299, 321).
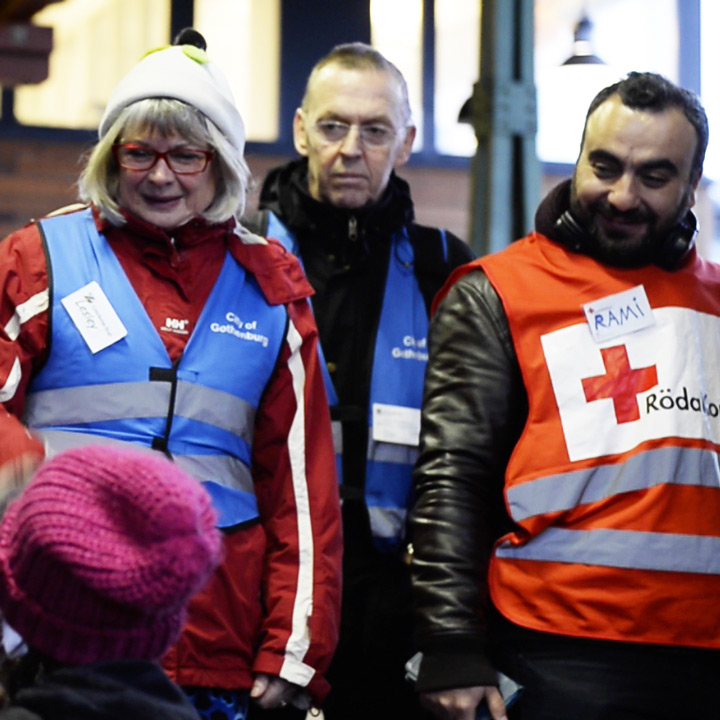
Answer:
(23, 333)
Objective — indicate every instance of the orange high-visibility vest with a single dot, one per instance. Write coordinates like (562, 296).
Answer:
(615, 481)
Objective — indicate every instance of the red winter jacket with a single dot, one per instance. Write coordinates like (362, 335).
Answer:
(265, 610)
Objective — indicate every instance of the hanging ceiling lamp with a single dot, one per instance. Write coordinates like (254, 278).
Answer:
(583, 53)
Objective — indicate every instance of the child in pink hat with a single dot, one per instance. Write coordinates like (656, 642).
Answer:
(99, 557)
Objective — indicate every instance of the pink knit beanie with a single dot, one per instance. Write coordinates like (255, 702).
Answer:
(101, 553)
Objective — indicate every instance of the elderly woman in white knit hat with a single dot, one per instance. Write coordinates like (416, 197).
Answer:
(150, 316)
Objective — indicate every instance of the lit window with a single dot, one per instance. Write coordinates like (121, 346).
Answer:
(711, 97)
(627, 35)
(457, 40)
(710, 56)
(243, 37)
(95, 43)
(457, 63)
(403, 49)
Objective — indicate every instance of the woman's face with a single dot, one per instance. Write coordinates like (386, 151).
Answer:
(160, 196)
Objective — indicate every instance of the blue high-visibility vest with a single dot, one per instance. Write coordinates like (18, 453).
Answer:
(200, 411)
(399, 361)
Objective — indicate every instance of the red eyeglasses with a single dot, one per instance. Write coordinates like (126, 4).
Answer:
(183, 161)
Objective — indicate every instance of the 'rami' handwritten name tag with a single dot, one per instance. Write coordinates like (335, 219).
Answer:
(619, 314)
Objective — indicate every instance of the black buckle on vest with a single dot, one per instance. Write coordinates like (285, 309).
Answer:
(162, 374)
(160, 443)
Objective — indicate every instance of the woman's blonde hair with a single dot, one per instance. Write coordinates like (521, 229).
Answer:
(99, 181)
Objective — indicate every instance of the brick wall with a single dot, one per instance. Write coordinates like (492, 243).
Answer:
(35, 178)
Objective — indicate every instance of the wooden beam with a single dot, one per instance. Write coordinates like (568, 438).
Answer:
(20, 11)
(24, 53)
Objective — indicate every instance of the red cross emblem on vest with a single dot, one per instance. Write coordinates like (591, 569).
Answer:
(621, 383)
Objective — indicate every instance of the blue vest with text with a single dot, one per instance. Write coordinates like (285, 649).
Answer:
(200, 411)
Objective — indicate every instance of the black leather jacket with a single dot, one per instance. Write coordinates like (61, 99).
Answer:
(467, 437)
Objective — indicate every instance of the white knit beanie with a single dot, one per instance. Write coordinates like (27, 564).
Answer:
(183, 72)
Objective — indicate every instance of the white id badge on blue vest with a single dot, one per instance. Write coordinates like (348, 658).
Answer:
(619, 314)
(94, 317)
(395, 424)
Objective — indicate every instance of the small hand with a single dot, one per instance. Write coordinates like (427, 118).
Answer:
(15, 474)
(270, 691)
(462, 703)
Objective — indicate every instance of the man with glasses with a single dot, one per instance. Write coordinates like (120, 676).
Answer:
(343, 210)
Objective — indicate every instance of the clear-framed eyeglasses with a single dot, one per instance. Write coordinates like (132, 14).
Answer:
(183, 161)
(371, 135)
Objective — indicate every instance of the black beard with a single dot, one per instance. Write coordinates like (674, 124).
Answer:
(616, 249)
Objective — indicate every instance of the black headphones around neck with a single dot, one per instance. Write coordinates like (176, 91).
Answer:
(669, 253)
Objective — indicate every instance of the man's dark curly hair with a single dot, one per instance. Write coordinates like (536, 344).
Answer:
(651, 92)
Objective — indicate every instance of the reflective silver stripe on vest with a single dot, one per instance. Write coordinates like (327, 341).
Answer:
(387, 522)
(337, 436)
(391, 453)
(224, 470)
(215, 407)
(121, 401)
(96, 403)
(622, 549)
(56, 441)
(677, 466)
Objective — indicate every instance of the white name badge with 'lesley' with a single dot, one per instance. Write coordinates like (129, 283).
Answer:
(94, 317)
(396, 424)
(619, 314)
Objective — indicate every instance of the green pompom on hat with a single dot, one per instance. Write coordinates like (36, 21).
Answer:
(184, 72)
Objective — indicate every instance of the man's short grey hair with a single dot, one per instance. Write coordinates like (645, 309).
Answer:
(360, 56)
(100, 179)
